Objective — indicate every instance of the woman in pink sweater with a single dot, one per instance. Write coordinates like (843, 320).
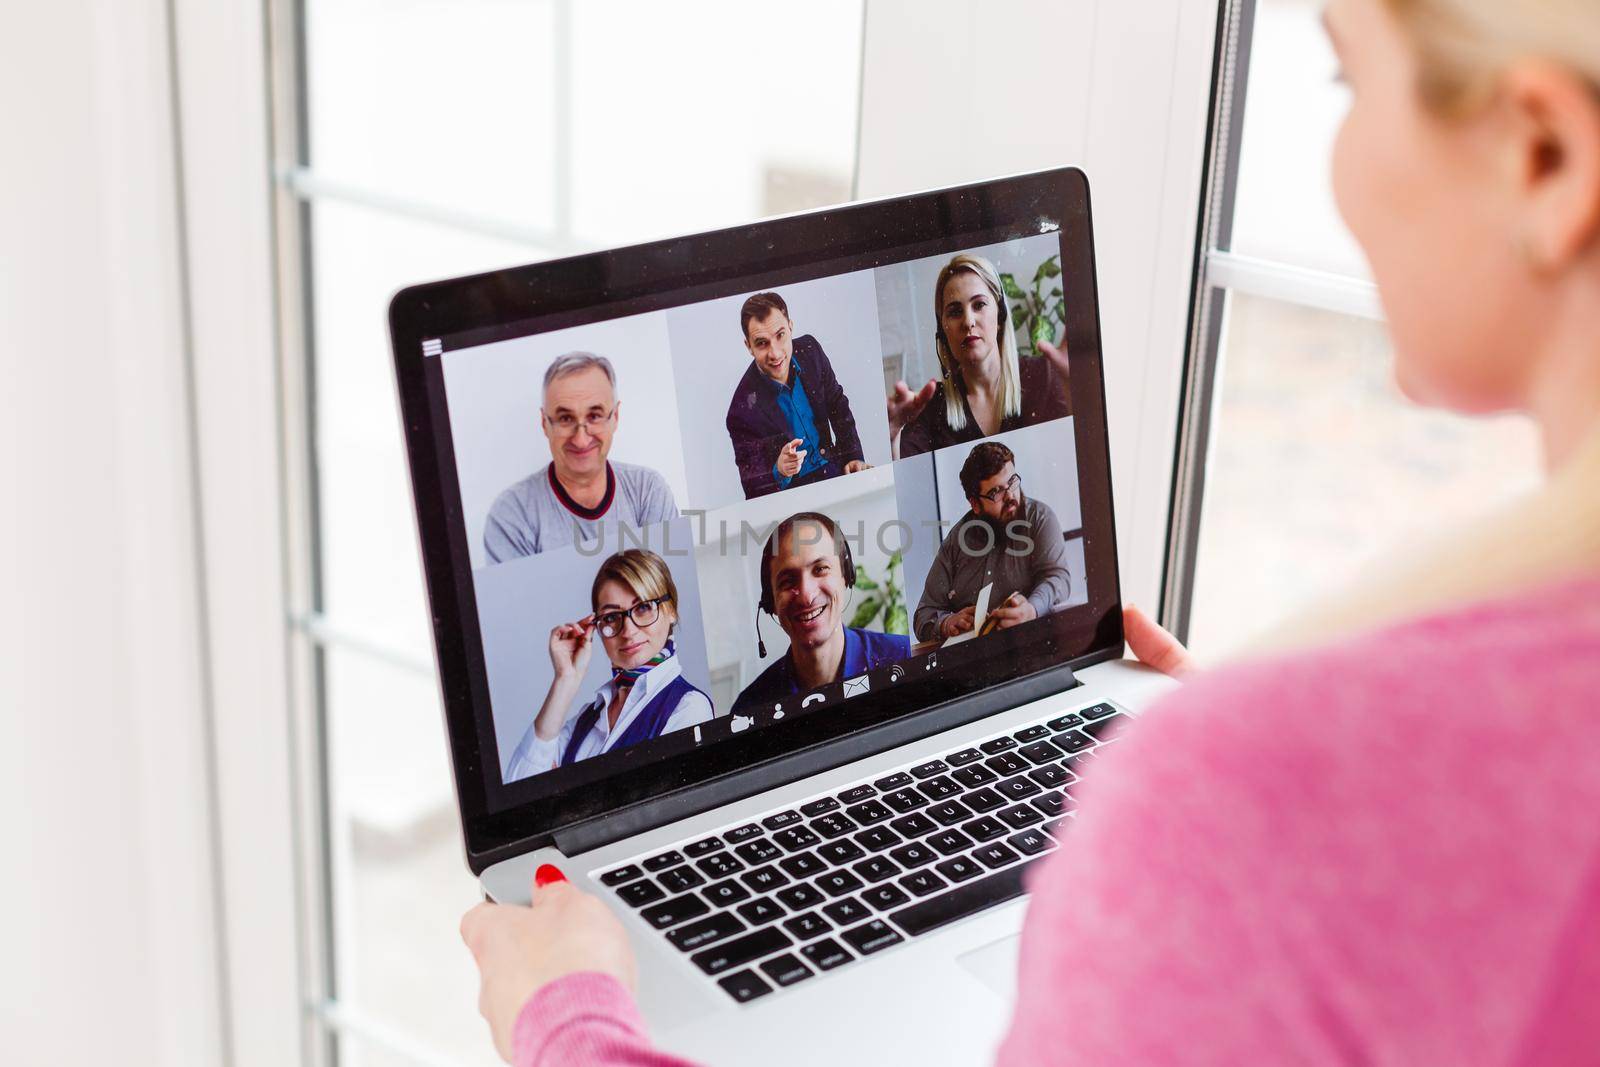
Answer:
(1382, 844)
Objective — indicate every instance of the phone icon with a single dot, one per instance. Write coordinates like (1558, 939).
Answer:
(813, 698)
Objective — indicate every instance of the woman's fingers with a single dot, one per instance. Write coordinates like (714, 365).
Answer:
(1153, 646)
(1057, 355)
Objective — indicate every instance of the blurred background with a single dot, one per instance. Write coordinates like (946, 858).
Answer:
(224, 757)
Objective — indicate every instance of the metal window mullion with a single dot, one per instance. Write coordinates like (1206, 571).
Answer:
(1291, 284)
(341, 1018)
(330, 636)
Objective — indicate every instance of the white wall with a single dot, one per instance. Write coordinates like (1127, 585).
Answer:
(1120, 89)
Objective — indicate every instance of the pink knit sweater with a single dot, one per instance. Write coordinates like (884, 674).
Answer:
(1385, 852)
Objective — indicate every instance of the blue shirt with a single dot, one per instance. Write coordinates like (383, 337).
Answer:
(864, 650)
(796, 408)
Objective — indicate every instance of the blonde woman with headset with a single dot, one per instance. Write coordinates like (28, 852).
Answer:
(1378, 843)
(986, 387)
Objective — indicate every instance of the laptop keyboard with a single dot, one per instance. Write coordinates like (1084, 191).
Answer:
(775, 901)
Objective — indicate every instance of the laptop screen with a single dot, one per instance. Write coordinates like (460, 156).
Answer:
(695, 520)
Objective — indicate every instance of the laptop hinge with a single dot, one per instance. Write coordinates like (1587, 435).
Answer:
(590, 834)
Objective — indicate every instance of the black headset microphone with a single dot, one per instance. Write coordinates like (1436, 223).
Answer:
(767, 603)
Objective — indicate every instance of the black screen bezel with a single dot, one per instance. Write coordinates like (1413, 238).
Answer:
(557, 294)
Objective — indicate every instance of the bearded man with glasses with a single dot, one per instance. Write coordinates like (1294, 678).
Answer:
(1007, 541)
(580, 489)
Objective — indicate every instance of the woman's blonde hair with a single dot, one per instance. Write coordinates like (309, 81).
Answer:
(639, 570)
(1462, 45)
(955, 412)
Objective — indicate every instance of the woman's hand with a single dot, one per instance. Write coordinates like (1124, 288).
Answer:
(905, 406)
(521, 950)
(1153, 646)
(571, 645)
(1057, 355)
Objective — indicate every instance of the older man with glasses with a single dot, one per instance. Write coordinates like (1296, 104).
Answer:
(580, 489)
(1007, 541)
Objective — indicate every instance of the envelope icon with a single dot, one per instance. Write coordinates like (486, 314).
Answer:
(856, 686)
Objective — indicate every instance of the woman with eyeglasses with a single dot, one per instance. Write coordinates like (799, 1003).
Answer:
(634, 610)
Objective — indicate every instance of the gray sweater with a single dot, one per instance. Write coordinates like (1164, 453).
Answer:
(962, 567)
(535, 515)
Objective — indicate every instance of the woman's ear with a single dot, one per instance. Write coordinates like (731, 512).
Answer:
(1555, 147)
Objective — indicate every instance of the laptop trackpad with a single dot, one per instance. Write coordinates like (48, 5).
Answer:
(995, 965)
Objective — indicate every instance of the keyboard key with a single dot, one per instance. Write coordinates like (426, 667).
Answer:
(741, 950)
(869, 812)
(1006, 763)
(897, 780)
(841, 852)
(1050, 804)
(982, 800)
(764, 879)
(807, 925)
(1031, 733)
(721, 894)
(786, 970)
(780, 820)
(939, 788)
(904, 800)
(800, 897)
(1072, 741)
(796, 838)
(877, 839)
(986, 828)
(835, 824)
(744, 986)
(1019, 816)
(885, 897)
(914, 825)
(950, 842)
(826, 954)
(1099, 711)
(972, 777)
(719, 864)
(857, 795)
(1065, 722)
(923, 882)
(702, 847)
(802, 866)
(966, 899)
(949, 813)
(1055, 827)
(929, 769)
(680, 879)
(1019, 788)
(1040, 753)
(758, 851)
(663, 861)
(1050, 776)
(847, 911)
(674, 911)
(758, 911)
(959, 868)
(995, 855)
(1030, 842)
(913, 855)
(621, 874)
(702, 933)
(638, 894)
(818, 807)
(1108, 729)
(964, 757)
(837, 883)
(877, 869)
(742, 833)
(999, 744)
(872, 937)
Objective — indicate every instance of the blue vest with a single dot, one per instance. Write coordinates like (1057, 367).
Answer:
(646, 725)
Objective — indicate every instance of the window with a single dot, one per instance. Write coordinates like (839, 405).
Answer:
(443, 137)
(1298, 443)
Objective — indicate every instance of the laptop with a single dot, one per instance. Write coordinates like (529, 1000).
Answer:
(800, 670)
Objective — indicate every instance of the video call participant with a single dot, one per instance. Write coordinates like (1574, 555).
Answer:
(580, 489)
(634, 606)
(987, 387)
(1006, 539)
(806, 578)
(789, 419)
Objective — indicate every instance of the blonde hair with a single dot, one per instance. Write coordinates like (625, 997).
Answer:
(639, 570)
(955, 412)
(1463, 45)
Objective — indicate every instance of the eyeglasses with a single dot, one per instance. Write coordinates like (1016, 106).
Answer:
(643, 614)
(993, 496)
(567, 424)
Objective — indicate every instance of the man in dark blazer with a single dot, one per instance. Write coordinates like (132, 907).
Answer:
(789, 419)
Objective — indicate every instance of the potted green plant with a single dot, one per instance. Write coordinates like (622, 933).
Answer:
(1037, 313)
(883, 599)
